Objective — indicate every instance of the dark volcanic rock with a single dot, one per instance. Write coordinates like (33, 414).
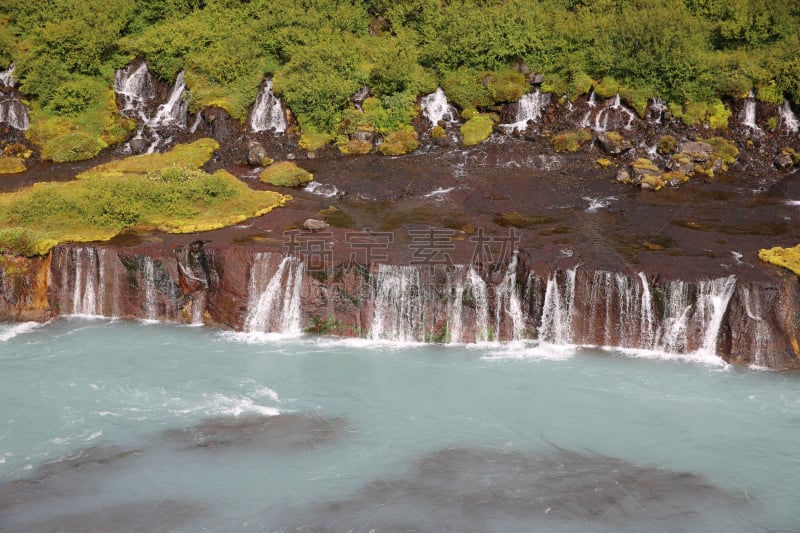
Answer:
(282, 432)
(473, 490)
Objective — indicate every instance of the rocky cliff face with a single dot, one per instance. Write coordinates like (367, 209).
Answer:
(242, 288)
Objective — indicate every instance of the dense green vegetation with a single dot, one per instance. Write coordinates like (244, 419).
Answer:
(164, 192)
(692, 53)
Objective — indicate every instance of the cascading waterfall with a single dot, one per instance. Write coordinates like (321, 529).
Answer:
(557, 309)
(508, 303)
(712, 304)
(610, 117)
(620, 310)
(135, 86)
(400, 305)
(267, 113)
(149, 280)
(659, 106)
(759, 339)
(788, 118)
(592, 102)
(749, 113)
(530, 108)
(647, 320)
(274, 295)
(12, 111)
(436, 109)
(672, 335)
(467, 289)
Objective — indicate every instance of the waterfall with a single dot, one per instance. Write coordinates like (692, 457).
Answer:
(274, 295)
(529, 108)
(759, 339)
(267, 113)
(558, 309)
(149, 280)
(788, 118)
(611, 116)
(712, 304)
(507, 301)
(83, 282)
(659, 106)
(467, 289)
(400, 305)
(647, 321)
(135, 86)
(436, 109)
(749, 113)
(7, 76)
(592, 102)
(14, 113)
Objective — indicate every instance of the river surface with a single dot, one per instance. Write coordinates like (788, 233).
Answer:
(129, 426)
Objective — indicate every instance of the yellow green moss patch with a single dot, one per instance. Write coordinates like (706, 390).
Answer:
(645, 164)
(35, 219)
(400, 142)
(355, 147)
(784, 257)
(477, 129)
(193, 155)
(313, 141)
(11, 165)
(570, 141)
(285, 174)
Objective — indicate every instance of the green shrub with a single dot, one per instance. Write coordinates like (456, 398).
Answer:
(400, 142)
(667, 144)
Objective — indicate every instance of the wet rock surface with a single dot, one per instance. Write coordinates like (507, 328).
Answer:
(476, 490)
(285, 432)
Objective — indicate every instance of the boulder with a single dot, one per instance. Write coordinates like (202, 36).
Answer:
(312, 224)
(361, 136)
(782, 161)
(613, 143)
(256, 153)
(138, 145)
(697, 151)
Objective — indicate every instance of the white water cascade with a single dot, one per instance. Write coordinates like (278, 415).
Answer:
(89, 284)
(467, 289)
(748, 115)
(436, 109)
(611, 116)
(267, 113)
(150, 291)
(530, 108)
(620, 310)
(136, 87)
(508, 302)
(274, 295)
(400, 305)
(12, 111)
(557, 310)
(713, 299)
(788, 118)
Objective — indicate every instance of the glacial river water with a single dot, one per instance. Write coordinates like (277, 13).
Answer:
(126, 426)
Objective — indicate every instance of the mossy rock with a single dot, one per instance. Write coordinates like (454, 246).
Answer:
(674, 178)
(791, 154)
(607, 87)
(723, 149)
(399, 142)
(477, 129)
(652, 181)
(570, 141)
(266, 161)
(355, 147)
(666, 144)
(645, 164)
(11, 165)
(603, 163)
(783, 257)
(285, 174)
(438, 132)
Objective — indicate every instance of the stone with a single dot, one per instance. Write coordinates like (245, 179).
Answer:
(361, 136)
(255, 153)
(613, 143)
(697, 151)
(782, 162)
(535, 78)
(623, 176)
(312, 224)
(138, 145)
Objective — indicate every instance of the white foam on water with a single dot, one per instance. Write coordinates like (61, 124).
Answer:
(9, 331)
(322, 189)
(700, 357)
(544, 351)
(793, 202)
(598, 203)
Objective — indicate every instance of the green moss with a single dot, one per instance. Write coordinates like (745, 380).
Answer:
(723, 149)
(713, 113)
(355, 147)
(313, 141)
(192, 156)
(783, 257)
(769, 92)
(718, 114)
(570, 141)
(772, 123)
(438, 132)
(399, 142)
(285, 174)
(614, 137)
(667, 144)
(607, 87)
(477, 129)
(11, 165)
(505, 85)
(35, 219)
(645, 164)
(638, 99)
(792, 154)
(603, 163)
